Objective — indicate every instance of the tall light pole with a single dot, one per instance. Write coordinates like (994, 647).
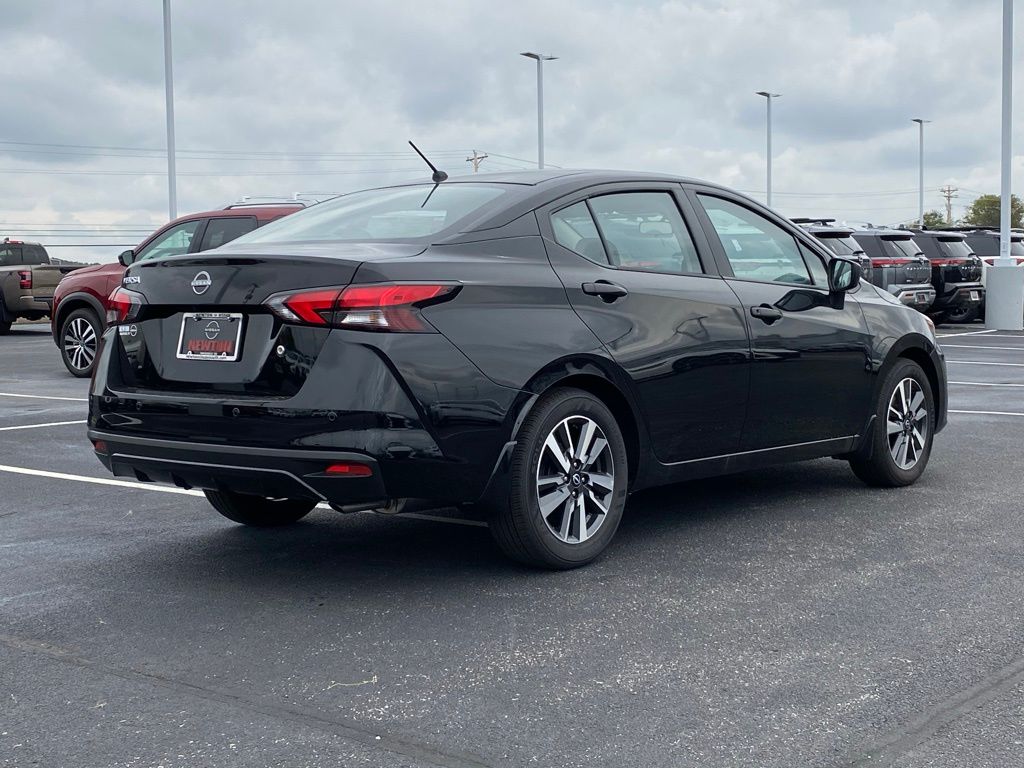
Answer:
(920, 170)
(1004, 281)
(540, 58)
(172, 180)
(768, 151)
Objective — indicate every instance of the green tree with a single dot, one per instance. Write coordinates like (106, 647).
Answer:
(984, 212)
(934, 220)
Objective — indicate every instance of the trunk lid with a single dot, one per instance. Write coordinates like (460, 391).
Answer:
(228, 287)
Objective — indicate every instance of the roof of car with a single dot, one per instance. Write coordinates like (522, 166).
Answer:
(261, 212)
(579, 175)
(882, 231)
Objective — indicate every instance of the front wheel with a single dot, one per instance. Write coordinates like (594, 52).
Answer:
(6, 321)
(259, 511)
(568, 483)
(903, 430)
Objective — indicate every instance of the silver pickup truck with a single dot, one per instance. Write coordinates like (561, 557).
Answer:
(27, 282)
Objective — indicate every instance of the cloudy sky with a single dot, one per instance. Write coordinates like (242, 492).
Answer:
(321, 96)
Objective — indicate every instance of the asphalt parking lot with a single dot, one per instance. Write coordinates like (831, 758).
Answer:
(786, 617)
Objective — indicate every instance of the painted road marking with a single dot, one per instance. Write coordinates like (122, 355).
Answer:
(969, 333)
(974, 346)
(983, 384)
(980, 362)
(40, 426)
(990, 413)
(46, 397)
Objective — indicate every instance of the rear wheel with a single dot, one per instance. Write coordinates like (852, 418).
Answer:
(568, 485)
(904, 426)
(79, 341)
(965, 313)
(259, 511)
(6, 321)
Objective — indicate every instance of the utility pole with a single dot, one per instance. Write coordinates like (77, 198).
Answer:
(920, 170)
(476, 160)
(540, 58)
(949, 193)
(172, 179)
(768, 150)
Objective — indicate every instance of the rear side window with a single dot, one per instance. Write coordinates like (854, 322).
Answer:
(843, 245)
(10, 255)
(645, 231)
(220, 231)
(757, 249)
(574, 229)
(34, 254)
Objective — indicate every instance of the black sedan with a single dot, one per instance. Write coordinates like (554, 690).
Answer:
(533, 347)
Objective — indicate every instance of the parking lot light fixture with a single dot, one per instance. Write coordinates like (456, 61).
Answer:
(920, 170)
(768, 151)
(172, 182)
(540, 58)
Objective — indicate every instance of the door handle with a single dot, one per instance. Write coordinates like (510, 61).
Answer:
(608, 292)
(766, 313)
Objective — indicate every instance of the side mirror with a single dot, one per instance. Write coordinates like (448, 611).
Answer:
(843, 275)
(125, 258)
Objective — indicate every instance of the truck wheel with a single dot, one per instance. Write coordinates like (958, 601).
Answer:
(6, 321)
(79, 341)
(568, 485)
(259, 511)
(901, 441)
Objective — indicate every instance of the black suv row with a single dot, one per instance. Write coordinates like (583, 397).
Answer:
(934, 271)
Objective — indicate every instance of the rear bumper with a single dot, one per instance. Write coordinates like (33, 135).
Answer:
(277, 473)
(960, 294)
(919, 296)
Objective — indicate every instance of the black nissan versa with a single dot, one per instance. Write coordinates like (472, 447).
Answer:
(534, 346)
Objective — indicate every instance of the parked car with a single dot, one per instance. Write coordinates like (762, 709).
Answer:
(898, 265)
(839, 240)
(956, 275)
(27, 282)
(985, 244)
(81, 300)
(534, 346)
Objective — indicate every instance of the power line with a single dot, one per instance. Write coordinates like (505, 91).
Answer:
(160, 151)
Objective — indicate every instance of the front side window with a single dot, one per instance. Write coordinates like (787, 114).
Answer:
(224, 230)
(397, 213)
(645, 231)
(756, 248)
(174, 242)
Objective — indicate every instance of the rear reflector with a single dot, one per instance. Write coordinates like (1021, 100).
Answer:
(99, 446)
(349, 469)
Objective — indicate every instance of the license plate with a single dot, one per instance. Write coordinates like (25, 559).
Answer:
(214, 336)
(975, 296)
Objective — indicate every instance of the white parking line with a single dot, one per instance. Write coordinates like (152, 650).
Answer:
(969, 333)
(190, 492)
(46, 397)
(981, 362)
(40, 426)
(983, 384)
(975, 346)
(990, 413)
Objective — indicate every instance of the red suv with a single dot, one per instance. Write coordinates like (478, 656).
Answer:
(80, 301)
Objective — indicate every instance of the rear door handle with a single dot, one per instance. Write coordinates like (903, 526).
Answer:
(766, 313)
(607, 291)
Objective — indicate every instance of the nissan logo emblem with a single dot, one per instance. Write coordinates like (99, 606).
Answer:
(201, 283)
(212, 330)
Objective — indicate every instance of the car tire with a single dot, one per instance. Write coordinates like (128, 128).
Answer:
(561, 466)
(6, 321)
(962, 314)
(79, 342)
(901, 441)
(258, 511)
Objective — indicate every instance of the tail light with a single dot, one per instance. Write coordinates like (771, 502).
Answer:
(123, 306)
(24, 278)
(373, 307)
(889, 262)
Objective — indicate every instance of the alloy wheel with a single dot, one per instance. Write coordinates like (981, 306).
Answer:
(80, 343)
(907, 423)
(575, 479)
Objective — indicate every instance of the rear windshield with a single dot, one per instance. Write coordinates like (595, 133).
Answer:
(842, 245)
(901, 249)
(396, 213)
(988, 245)
(954, 249)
